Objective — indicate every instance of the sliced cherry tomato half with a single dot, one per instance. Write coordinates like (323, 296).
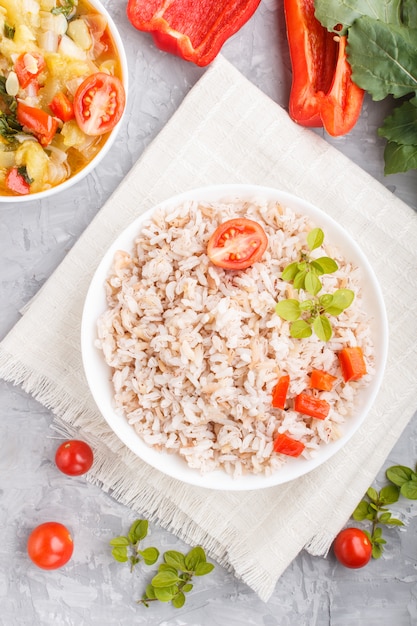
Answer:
(50, 545)
(99, 103)
(237, 244)
(74, 457)
(352, 548)
(28, 66)
(40, 123)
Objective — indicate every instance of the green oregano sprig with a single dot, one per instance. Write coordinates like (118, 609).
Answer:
(373, 506)
(312, 314)
(123, 545)
(173, 579)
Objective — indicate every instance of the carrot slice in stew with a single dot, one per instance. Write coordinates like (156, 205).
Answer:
(321, 380)
(352, 363)
(279, 392)
(287, 445)
(312, 406)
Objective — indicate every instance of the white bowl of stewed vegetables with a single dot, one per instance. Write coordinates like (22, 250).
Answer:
(63, 87)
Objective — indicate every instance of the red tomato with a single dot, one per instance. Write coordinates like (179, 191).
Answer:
(50, 545)
(62, 107)
(40, 123)
(28, 66)
(99, 103)
(16, 182)
(352, 548)
(237, 244)
(74, 457)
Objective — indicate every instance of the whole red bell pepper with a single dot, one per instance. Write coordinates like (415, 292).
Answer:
(322, 91)
(192, 29)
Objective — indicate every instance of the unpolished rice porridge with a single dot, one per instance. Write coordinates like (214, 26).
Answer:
(196, 350)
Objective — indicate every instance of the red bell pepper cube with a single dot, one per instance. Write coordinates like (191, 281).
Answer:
(192, 29)
(311, 406)
(279, 392)
(287, 445)
(321, 380)
(322, 91)
(352, 363)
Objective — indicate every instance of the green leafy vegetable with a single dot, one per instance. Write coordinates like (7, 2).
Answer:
(305, 276)
(123, 545)
(382, 51)
(9, 31)
(173, 578)
(22, 170)
(66, 8)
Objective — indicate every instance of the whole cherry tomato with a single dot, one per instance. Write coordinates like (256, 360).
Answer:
(50, 545)
(74, 457)
(352, 548)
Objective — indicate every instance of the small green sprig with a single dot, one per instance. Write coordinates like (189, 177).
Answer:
(124, 544)
(173, 579)
(373, 508)
(312, 314)
(174, 576)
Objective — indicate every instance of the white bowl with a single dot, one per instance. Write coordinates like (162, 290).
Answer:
(99, 376)
(112, 135)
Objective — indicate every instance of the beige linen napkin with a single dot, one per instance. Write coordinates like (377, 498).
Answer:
(227, 131)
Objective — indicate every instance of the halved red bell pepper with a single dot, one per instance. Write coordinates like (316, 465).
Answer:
(322, 91)
(192, 29)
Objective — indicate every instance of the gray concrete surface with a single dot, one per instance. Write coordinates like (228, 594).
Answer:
(93, 590)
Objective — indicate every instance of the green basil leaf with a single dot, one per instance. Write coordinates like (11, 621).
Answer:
(409, 490)
(175, 559)
(187, 587)
(165, 579)
(399, 474)
(138, 530)
(389, 494)
(119, 541)
(306, 305)
(299, 280)
(288, 309)
(120, 554)
(300, 330)
(377, 550)
(312, 284)
(290, 272)
(315, 238)
(322, 328)
(165, 594)
(195, 557)
(361, 512)
(178, 600)
(372, 494)
(394, 522)
(204, 568)
(326, 264)
(149, 555)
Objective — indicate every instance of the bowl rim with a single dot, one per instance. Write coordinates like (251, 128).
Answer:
(69, 182)
(93, 362)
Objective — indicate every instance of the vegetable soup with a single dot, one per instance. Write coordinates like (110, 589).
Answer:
(61, 91)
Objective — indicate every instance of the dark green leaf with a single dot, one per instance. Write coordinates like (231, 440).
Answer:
(333, 12)
(204, 568)
(300, 330)
(383, 57)
(399, 474)
(394, 522)
(389, 494)
(401, 126)
(315, 238)
(399, 158)
(175, 559)
(195, 557)
(361, 512)
(322, 328)
(409, 13)
(178, 600)
(409, 490)
(384, 518)
(288, 309)
(377, 550)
